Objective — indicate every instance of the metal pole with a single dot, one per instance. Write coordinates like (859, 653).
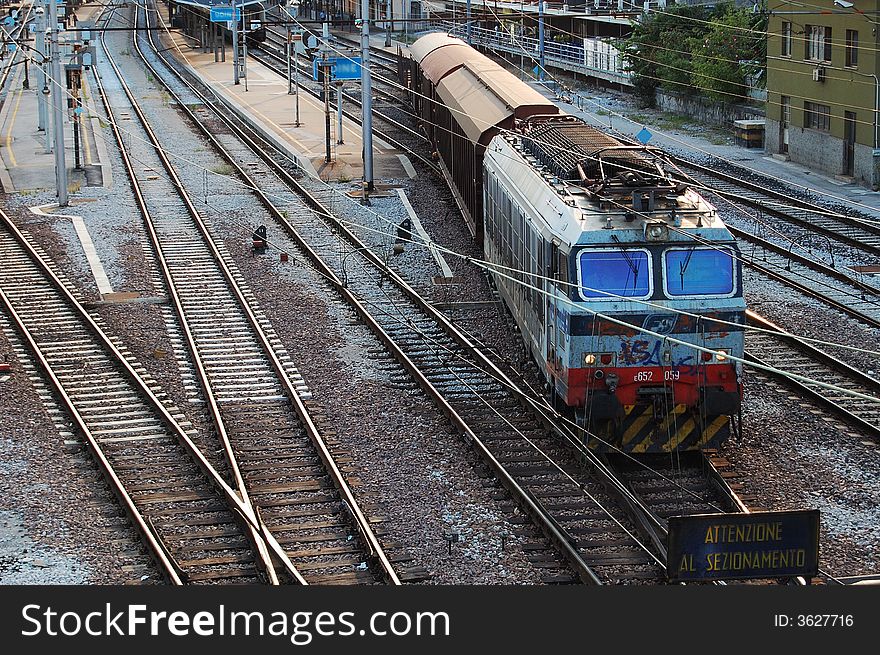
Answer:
(326, 68)
(468, 21)
(76, 138)
(57, 105)
(296, 91)
(234, 22)
(339, 113)
(387, 23)
(40, 43)
(243, 50)
(366, 96)
(541, 40)
(289, 50)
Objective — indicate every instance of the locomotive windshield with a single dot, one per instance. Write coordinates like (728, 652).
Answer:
(607, 274)
(699, 272)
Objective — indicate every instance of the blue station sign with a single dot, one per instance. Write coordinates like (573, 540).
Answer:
(225, 14)
(341, 68)
(742, 546)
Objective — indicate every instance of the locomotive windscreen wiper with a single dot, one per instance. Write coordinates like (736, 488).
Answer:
(629, 260)
(682, 266)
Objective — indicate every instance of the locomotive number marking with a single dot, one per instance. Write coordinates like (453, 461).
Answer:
(648, 376)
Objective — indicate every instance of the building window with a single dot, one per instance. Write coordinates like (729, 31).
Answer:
(817, 43)
(786, 39)
(817, 117)
(852, 48)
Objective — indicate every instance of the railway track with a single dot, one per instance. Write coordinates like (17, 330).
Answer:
(574, 499)
(810, 277)
(278, 461)
(578, 513)
(191, 521)
(274, 58)
(790, 353)
(859, 234)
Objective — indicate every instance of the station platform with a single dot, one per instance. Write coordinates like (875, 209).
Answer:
(26, 165)
(263, 99)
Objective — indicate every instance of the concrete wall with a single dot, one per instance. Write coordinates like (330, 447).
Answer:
(771, 136)
(823, 152)
(708, 111)
(817, 150)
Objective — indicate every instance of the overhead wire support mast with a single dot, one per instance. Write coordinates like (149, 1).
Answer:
(366, 97)
(57, 105)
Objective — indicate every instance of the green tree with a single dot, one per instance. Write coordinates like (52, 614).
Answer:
(710, 51)
(731, 49)
(657, 51)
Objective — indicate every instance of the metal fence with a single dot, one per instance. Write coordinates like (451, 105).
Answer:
(588, 55)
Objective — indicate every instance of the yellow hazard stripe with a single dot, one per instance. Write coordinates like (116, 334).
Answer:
(681, 435)
(636, 426)
(712, 429)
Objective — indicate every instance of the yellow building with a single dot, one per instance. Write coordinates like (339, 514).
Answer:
(822, 86)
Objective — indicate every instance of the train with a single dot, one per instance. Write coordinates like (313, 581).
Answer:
(622, 279)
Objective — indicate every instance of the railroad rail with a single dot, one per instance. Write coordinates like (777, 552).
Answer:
(279, 462)
(278, 56)
(575, 512)
(147, 455)
(788, 352)
(857, 233)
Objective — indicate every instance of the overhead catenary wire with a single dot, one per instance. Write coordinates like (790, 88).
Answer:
(386, 233)
(430, 243)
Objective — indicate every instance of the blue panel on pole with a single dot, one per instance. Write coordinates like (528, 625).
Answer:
(644, 136)
(224, 14)
(341, 68)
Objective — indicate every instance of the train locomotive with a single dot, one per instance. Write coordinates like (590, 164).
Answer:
(611, 268)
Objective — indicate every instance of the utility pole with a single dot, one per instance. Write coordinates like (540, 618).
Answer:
(296, 92)
(234, 25)
(40, 43)
(244, 49)
(289, 53)
(325, 66)
(291, 58)
(58, 101)
(541, 40)
(366, 97)
(339, 140)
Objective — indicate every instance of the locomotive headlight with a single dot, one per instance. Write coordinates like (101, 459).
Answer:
(721, 355)
(656, 232)
(589, 359)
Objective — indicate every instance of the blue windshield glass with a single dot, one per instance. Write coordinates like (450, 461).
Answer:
(699, 272)
(617, 273)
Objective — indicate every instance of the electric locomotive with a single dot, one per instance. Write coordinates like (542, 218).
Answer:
(625, 284)
(613, 271)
